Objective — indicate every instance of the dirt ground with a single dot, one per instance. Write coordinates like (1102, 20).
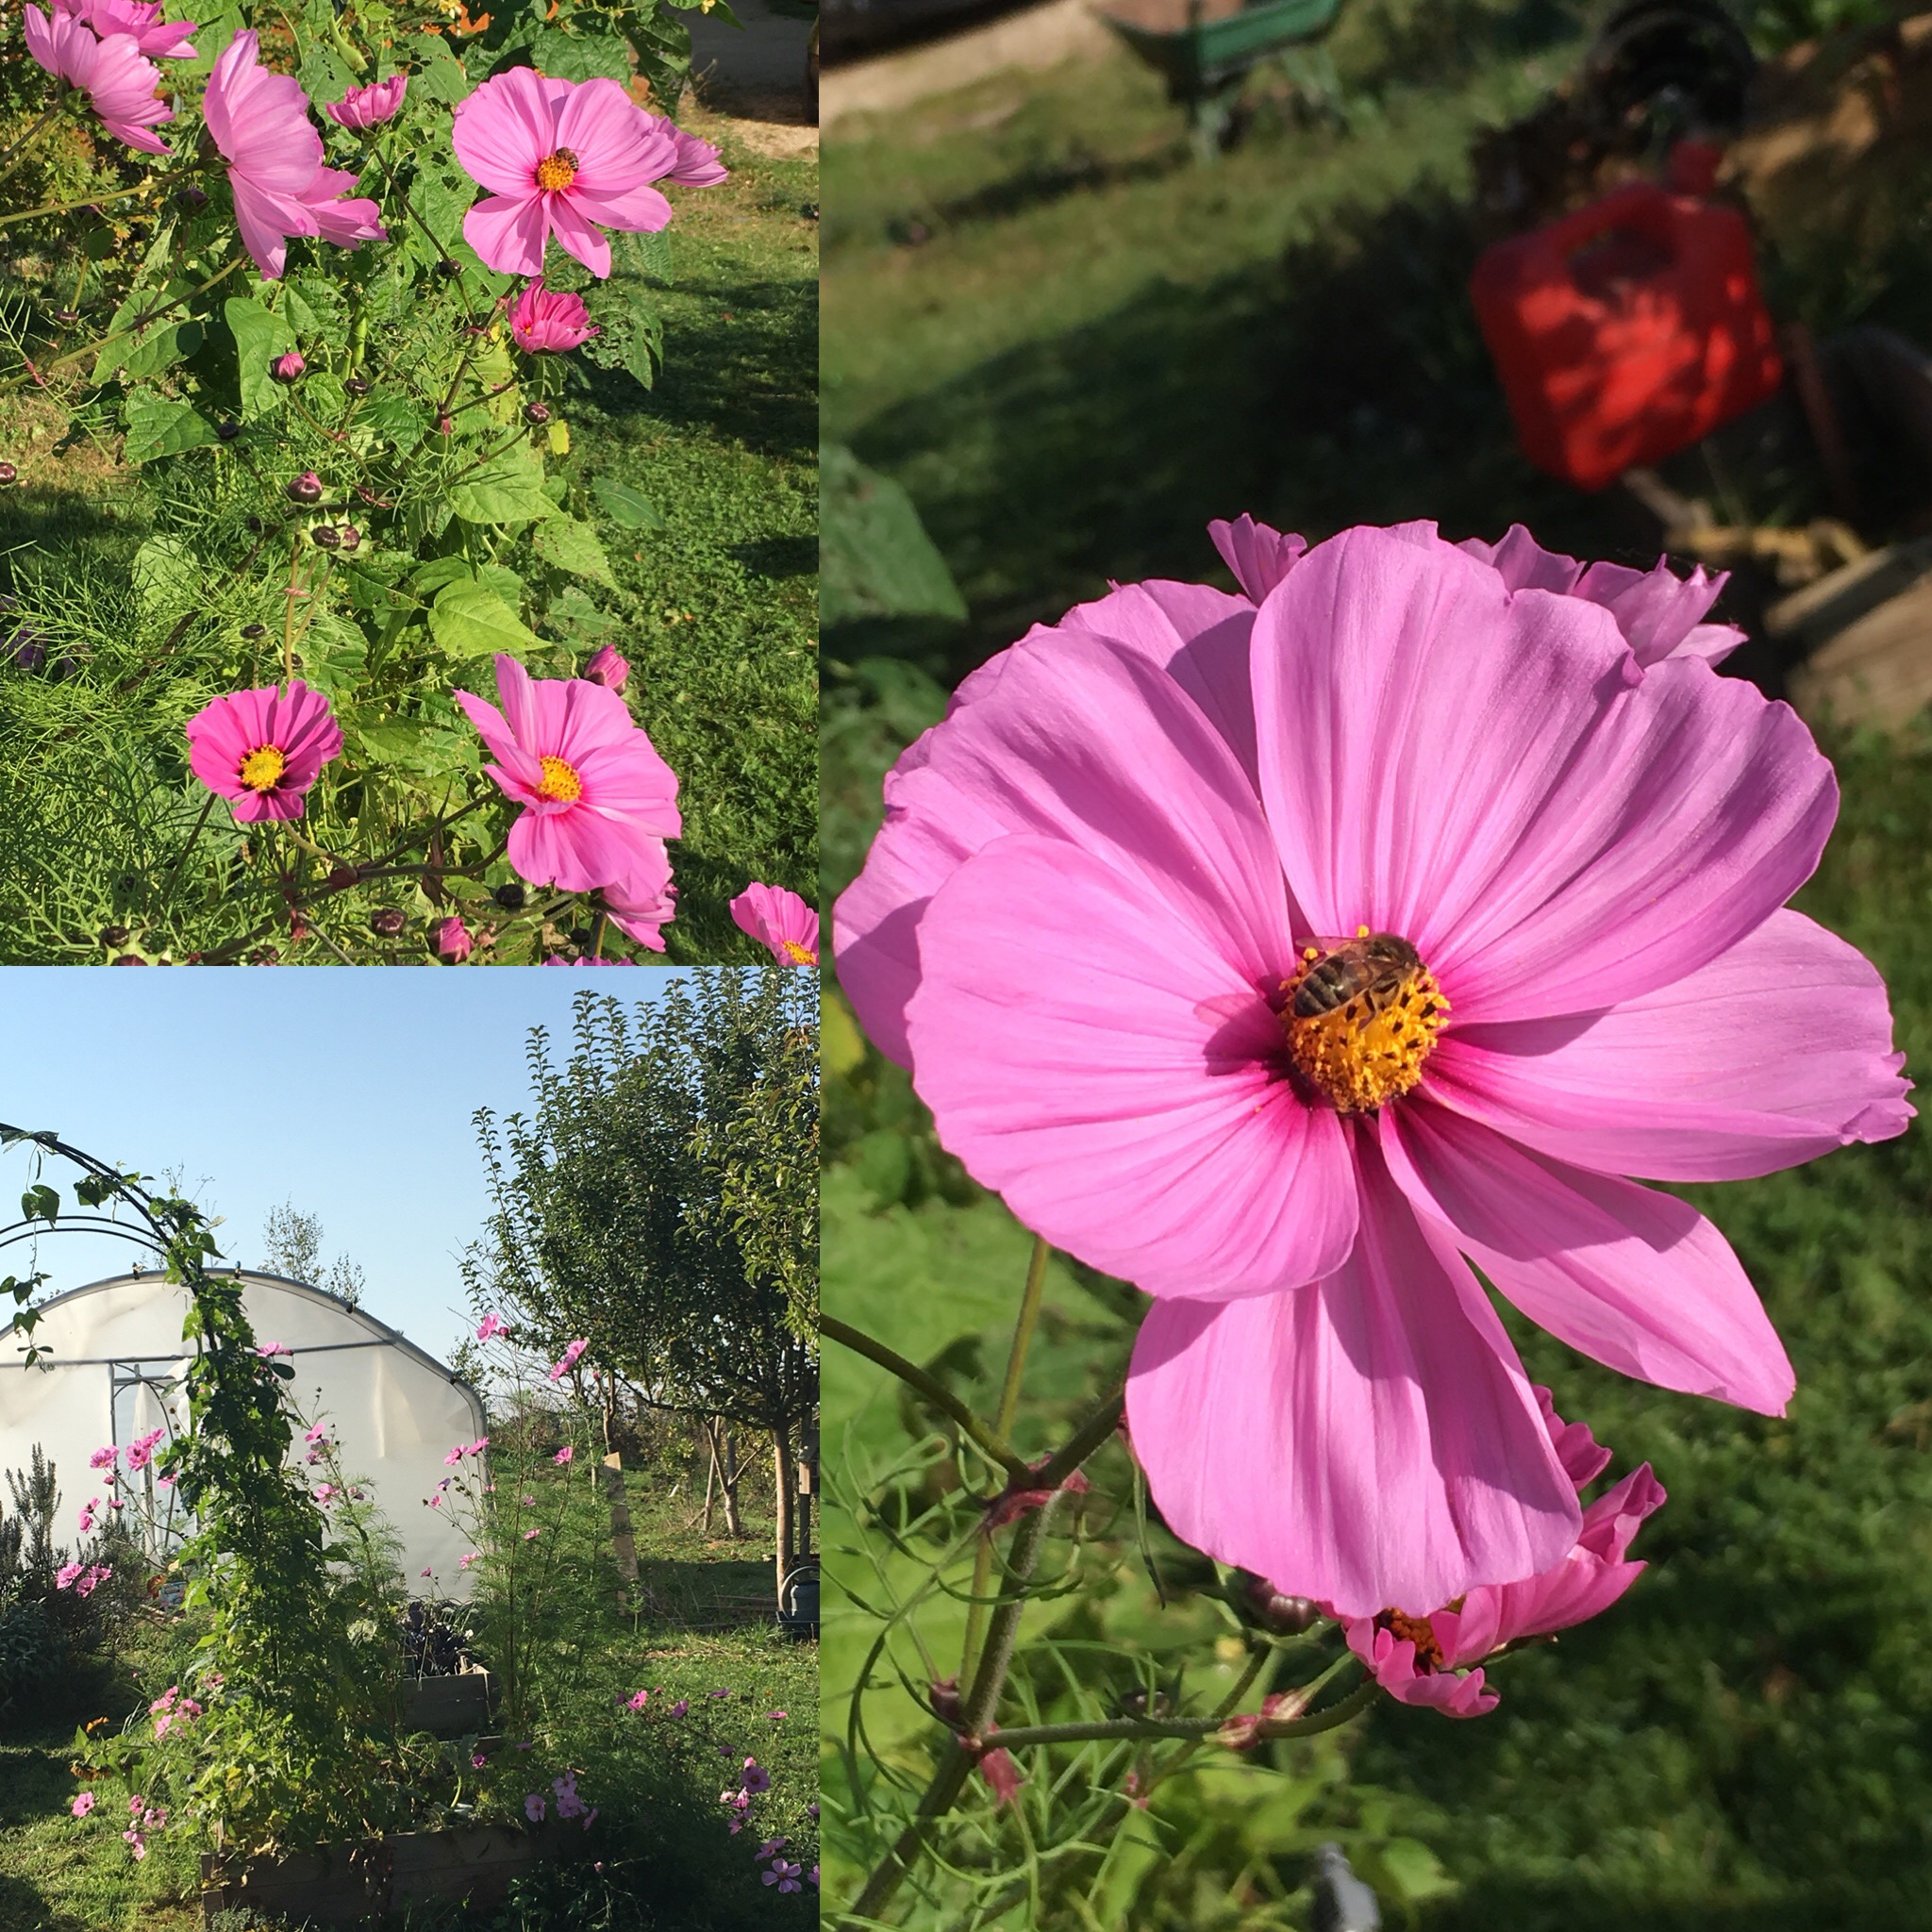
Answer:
(756, 78)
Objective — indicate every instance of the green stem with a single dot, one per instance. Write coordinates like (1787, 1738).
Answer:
(1199, 1727)
(65, 208)
(1024, 1325)
(141, 321)
(935, 1391)
(17, 153)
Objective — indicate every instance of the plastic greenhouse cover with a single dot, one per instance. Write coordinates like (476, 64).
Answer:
(113, 1357)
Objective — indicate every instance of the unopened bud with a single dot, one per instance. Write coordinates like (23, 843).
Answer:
(288, 367)
(389, 922)
(190, 200)
(254, 630)
(510, 897)
(343, 875)
(445, 425)
(351, 536)
(1286, 1616)
(536, 412)
(227, 430)
(8, 474)
(325, 537)
(306, 488)
(448, 270)
(356, 386)
(113, 935)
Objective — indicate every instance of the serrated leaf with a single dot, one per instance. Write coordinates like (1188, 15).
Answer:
(159, 428)
(579, 55)
(443, 77)
(260, 338)
(168, 345)
(509, 490)
(469, 620)
(567, 544)
(625, 505)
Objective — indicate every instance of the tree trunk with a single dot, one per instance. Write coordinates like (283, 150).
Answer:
(781, 1459)
(727, 1479)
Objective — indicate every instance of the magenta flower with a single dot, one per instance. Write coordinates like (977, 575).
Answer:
(679, 1708)
(477, 1760)
(370, 106)
(1428, 1659)
(697, 164)
(564, 1454)
(83, 1804)
(1124, 860)
(140, 21)
(560, 1368)
(492, 1324)
(638, 1700)
(533, 1807)
(757, 1778)
(608, 668)
(288, 367)
(64, 1577)
(594, 789)
(262, 751)
(561, 158)
(316, 1434)
(644, 905)
(103, 1458)
(1660, 614)
(531, 1535)
(269, 1350)
(115, 75)
(781, 921)
(260, 121)
(453, 940)
(549, 321)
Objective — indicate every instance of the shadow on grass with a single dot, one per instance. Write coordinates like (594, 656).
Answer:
(716, 1592)
(47, 519)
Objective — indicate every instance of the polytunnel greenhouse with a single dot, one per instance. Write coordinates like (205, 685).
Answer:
(110, 1367)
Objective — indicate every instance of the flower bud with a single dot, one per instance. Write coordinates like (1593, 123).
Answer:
(448, 270)
(351, 536)
(325, 537)
(253, 526)
(306, 488)
(445, 425)
(190, 200)
(536, 412)
(227, 430)
(8, 472)
(113, 935)
(1286, 1616)
(607, 668)
(128, 959)
(286, 368)
(453, 939)
(510, 897)
(254, 630)
(389, 922)
(343, 875)
(356, 386)
(63, 316)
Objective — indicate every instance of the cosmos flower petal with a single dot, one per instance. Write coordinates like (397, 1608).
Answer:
(1118, 1092)
(1258, 557)
(503, 128)
(1370, 1440)
(1777, 1051)
(508, 233)
(577, 235)
(1635, 1279)
(1084, 740)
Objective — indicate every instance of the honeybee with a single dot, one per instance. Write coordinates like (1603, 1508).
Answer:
(1372, 967)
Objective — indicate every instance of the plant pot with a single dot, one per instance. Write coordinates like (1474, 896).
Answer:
(352, 1886)
(454, 1706)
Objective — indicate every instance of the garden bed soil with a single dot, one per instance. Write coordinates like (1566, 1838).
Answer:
(353, 1885)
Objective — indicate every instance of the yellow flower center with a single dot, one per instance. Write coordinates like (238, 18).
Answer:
(800, 956)
(1417, 1631)
(1361, 1018)
(556, 171)
(561, 785)
(261, 770)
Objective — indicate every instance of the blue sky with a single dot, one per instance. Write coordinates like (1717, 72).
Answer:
(346, 1091)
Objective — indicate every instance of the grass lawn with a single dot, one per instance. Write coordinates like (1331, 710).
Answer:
(698, 1623)
(716, 611)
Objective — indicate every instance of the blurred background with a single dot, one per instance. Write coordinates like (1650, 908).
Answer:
(1080, 296)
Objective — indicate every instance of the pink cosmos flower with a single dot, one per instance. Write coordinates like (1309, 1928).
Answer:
(564, 1454)
(317, 1433)
(697, 164)
(286, 368)
(477, 1447)
(260, 121)
(103, 1458)
(531, 1535)
(642, 905)
(757, 1778)
(370, 106)
(477, 1760)
(115, 75)
(269, 1350)
(608, 668)
(453, 940)
(561, 158)
(533, 1808)
(140, 21)
(492, 1324)
(547, 321)
(560, 1368)
(88, 1515)
(464, 1562)
(679, 1708)
(594, 789)
(136, 1843)
(83, 1804)
(1110, 864)
(262, 751)
(638, 1700)
(1660, 614)
(1428, 1659)
(64, 1576)
(779, 920)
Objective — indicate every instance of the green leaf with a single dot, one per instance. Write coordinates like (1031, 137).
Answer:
(570, 545)
(157, 428)
(443, 77)
(580, 56)
(167, 345)
(167, 579)
(648, 254)
(469, 621)
(625, 505)
(509, 490)
(877, 559)
(323, 74)
(260, 338)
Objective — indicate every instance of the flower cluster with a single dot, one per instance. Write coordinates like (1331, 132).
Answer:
(1379, 922)
(171, 1709)
(82, 1578)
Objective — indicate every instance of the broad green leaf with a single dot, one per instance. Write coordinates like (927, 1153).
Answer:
(572, 546)
(625, 505)
(579, 55)
(469, 620)
(159, 428)
(877, 559)
(442, 76)
(167, 579)
(509, 490)
(166, 344)
(437, 572)
(260, 338)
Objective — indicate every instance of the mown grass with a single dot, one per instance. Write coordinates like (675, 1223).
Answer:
(698, 1624)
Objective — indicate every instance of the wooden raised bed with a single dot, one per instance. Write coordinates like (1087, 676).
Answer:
(351, 1887)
